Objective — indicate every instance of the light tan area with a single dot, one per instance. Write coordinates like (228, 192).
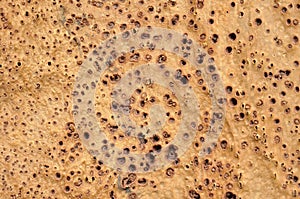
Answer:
(255, 45)
(144, 98)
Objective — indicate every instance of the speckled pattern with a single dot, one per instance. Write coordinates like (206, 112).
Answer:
(103, 57)
(255, 49)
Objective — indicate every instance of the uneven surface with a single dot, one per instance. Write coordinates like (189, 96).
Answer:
(255, 45)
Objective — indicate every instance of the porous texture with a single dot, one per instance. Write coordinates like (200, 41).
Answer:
(255, 48)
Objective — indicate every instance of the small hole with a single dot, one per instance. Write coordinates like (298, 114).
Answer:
(232, 36)
(258, 21)
(233, 101)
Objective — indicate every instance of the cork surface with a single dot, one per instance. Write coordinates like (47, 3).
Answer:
(254, 46)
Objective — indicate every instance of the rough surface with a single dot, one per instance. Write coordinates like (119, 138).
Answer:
(255, 48)
(133, 81)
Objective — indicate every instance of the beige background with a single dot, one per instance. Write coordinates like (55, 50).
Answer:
(43, 44)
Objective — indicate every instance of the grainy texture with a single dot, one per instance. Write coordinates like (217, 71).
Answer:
(256, 50)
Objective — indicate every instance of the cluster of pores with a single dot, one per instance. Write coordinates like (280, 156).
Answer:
(94, 138)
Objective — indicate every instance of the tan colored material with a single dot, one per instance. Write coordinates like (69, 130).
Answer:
(255, 46)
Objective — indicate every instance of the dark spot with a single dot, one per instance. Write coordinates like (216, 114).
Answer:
(171, 154)
(121, 160)
(198, 73)
(209, 150)
(155, 138)
(233, 101)
(223, 144)
(284, 10)
(135, 57)
(170, 172)
(86, 135)
(228, 49)
(217, 115)
(150, 8)
(58, 175)
(242, 115)
(166, 134)
(228, 89)
(230, 195)
(125, 34)
(277, 121)
(142, 181)
(184, 80)
(202, 36)
(157, 148)
(67, 188)
(161, 58)
(232, 36)
(258, 21)
(182, 62)
(200, 59)
(186, 135)
(178, 74)
(132, 168)
(273, 100)
(145, 36)
(150, 157)
(184, 41)
(215, 38)
(104, 148)
(194, 195)
(126, 151)
(211, 68)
